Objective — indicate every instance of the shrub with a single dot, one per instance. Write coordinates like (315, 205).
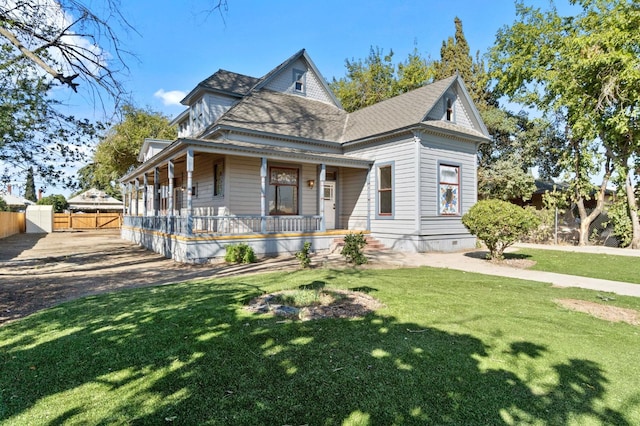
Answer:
(303, 255)
(353, 246)
(239, 253)
(499, 224)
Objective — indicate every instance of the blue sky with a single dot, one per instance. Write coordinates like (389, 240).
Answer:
(178, 44)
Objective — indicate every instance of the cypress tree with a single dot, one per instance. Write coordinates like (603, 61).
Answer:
(30, 187)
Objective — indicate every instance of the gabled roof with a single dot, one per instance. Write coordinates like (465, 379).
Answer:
(400, 112)
(282, 114)
(93, 198)
(301, 54)
(15, 201)
(224, 82)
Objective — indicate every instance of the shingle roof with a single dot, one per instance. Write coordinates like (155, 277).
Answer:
(231, 82)
(395, 113)
(279, 113)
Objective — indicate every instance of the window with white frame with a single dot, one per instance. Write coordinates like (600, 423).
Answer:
(449, 189)
(385, 190)
(283, 191)
(299, 81)
(218, 178)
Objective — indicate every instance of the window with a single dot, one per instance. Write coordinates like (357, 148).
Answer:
(449, 189)
(218, 179)
(385, 190)
(283, 191)
(449, 109)
(298, 81)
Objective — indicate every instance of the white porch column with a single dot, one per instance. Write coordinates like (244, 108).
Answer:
(323, 177)
(156, 191)
(145, 194)
(263, 195)
(369, 198)
(135, 201)
(170, 173)
(189, 191)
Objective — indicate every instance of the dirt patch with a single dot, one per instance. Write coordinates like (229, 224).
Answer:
(39, 271)
(330, 304)
(605, 312)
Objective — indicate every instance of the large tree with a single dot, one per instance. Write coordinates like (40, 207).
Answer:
(118, 151)
(44, 44)
(584, 68)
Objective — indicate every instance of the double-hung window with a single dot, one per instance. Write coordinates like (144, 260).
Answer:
(283, 191)
(385, 190)
(449, 189)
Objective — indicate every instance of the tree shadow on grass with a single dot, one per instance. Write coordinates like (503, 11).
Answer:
(189, 354)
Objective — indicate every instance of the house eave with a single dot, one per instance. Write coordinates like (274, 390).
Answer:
(424, 126)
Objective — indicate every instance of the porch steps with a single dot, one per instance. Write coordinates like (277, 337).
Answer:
(373, 245)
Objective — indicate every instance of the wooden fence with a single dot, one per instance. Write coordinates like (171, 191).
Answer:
(12, 223)
(86, 221)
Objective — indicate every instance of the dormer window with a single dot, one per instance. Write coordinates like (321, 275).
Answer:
(449, 110)
(299, 81)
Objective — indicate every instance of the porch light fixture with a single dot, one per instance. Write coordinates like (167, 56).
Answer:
(311, 183)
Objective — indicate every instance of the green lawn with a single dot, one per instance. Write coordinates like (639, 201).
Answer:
(449, 348)
(608, 267)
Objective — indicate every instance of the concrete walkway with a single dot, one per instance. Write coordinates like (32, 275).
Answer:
(474, 261)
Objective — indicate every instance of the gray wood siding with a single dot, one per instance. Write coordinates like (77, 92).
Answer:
(313, 90)
(308, 196)
(434, 150)
(215, 106)
(402, 154)
(243, 184)
(352, 199)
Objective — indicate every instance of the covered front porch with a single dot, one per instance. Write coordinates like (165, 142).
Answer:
(200, 196)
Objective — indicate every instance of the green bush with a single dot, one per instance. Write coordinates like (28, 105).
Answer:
(303, 255)
(353, 246)
(239, 253)
(499, 224)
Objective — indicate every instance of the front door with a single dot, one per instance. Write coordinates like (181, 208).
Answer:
(329, 200)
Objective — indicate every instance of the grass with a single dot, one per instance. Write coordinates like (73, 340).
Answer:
(608, 267)
(449, 348)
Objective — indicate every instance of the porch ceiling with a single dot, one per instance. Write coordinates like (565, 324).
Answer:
(178, 149)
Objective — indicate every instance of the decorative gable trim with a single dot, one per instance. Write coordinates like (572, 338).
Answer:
(302, 54)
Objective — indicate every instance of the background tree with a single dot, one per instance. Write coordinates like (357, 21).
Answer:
(58, 202)
(585, 69)
(30, 187)
(117, 152)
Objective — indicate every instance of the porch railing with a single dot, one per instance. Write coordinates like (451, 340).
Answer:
(226, 225)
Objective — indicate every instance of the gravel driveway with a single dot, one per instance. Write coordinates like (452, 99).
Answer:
(38, 271)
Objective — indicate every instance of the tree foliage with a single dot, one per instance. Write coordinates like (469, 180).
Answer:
(118, 151)
(376, 78)
(585, 68)
(30, 186)
(499, 224)
(58, 201)
(44, 45)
